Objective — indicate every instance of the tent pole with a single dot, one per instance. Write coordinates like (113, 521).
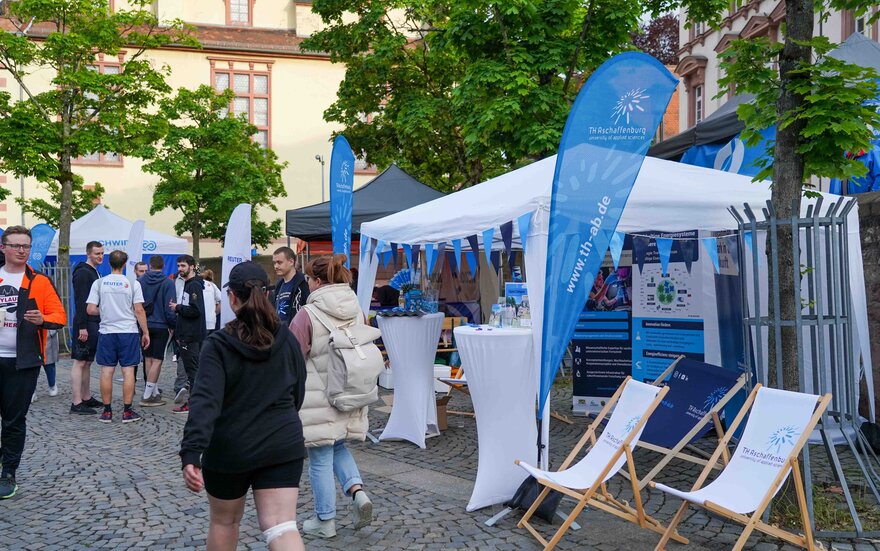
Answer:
(545, 435)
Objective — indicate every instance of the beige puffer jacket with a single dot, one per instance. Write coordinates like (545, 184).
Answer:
(323, 424)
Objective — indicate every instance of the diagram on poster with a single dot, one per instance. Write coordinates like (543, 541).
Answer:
(674, 293)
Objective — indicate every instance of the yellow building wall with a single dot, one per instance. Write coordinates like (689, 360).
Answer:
(301, 90)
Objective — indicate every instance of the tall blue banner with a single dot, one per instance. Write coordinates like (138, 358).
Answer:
(606, 136)
(341, 183)
(41, 238)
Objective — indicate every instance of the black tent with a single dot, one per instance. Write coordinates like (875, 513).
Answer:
(723, 124)
(392, 191)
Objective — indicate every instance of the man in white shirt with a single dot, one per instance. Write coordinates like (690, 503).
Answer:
(120, 303)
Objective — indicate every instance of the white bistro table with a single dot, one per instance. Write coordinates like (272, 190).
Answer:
(503, 385)
(411, 343)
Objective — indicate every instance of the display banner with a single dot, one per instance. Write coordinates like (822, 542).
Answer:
(41, 239)
(734, 156)
(236, 249)
(134, 248)
(341, 185)
(601, 344)
(667, 310)
(607, 133)
(694, 388)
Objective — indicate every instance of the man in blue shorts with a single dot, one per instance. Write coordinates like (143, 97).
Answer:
(120, 303)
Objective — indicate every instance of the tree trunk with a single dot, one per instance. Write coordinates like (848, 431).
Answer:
(788, 179)
(65, 179)
(196, 235)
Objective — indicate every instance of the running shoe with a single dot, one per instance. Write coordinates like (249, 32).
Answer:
(184, 408)
(152, 401)
(8, 487)
(130, 416)
(93, 403)
(53, 391)
(106, 417)
(81, 409)
(182, 396)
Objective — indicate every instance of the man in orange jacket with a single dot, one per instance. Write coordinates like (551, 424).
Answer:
(29, 306)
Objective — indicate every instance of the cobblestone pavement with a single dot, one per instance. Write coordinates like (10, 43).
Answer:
(87, 485)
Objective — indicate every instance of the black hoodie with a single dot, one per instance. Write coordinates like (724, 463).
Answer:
(191, 321)
(84, 274)
(244, 404)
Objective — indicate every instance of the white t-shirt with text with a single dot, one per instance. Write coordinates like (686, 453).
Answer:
(9, 286)
(116, 296)
(211, 293)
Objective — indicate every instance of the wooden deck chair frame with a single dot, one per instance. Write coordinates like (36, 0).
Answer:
(754, 522)
(456, 387)
(677, 452)
(597, 495)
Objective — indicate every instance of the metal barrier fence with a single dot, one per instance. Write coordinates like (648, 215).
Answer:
(60, 276)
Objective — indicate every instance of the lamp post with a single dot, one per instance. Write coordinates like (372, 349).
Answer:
(320, 159)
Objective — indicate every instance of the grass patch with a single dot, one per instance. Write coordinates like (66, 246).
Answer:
(829, 509)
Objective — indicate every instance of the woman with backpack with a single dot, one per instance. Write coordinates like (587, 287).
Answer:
(325, 427)
(243, 429)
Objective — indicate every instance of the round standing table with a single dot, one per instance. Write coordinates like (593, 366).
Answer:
(501, 377)
(411, 343)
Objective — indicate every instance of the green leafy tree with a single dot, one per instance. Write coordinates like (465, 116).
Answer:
(457, 92)
(822, 109)
(208, 164)
(83, 200)
(81, 111)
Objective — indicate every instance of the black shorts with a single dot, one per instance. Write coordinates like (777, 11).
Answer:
(158, 342)
(85, 351)
(235, 485)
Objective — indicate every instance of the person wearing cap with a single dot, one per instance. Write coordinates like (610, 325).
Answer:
(244, 431)
(190, 330)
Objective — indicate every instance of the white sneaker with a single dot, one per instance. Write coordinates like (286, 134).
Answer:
(53, 391)
(34, 397)
(361, 510)
(320, 528)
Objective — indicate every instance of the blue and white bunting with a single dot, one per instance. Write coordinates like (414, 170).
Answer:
(615, 246)
(430, 257)
(523, 223)
(710, 244)
(488, 236)
(664, 250)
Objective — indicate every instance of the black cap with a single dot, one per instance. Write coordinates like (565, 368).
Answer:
(244, 272)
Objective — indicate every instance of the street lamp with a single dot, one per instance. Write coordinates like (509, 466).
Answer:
(320, 159)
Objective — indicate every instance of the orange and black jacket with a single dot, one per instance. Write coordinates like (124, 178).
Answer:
(36, 293)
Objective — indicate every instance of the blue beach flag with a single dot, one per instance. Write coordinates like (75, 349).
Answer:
(341, 185)
(41, 238)
(606, 136)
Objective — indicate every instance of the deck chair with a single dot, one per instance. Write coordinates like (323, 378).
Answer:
(457, 383)
(698, 392)
(780, 422)
(585, 480)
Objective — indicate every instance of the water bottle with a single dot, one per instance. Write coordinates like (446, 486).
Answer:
(508, 315)
(525, 315)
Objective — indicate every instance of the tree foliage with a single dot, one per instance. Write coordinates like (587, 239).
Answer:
(456, 92)
(80, 110)
(659, 38)
(208, 164)
(83, 200)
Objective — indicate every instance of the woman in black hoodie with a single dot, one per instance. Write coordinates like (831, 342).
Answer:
(244, 429)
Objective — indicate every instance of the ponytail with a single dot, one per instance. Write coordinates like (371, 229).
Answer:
(255, 321)
(329, 269)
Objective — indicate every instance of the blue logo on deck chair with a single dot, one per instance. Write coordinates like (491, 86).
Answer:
(783, 436)
(714, 397)
(631, 424)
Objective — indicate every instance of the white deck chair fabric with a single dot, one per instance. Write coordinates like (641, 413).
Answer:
(775, 424)
(634, 401)
(453, 381)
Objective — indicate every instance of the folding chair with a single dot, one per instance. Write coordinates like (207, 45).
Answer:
(780, 422)
(697, 393)
(585, 480)
(457, 383)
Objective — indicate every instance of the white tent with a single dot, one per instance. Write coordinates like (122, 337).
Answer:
(667, 196)
(112, 230)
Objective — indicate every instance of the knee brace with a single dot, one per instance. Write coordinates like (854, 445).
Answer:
(279, 529)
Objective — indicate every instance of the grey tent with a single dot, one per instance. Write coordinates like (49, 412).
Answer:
(392, 191)
(723, 124)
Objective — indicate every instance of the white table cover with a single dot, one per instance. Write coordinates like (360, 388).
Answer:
(503, 384)
(411, 343)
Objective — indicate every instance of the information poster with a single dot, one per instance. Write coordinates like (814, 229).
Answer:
(667, 315)
(602, 342)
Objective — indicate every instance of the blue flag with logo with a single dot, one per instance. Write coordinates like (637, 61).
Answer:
(341, 184)
(606, 136)
(41, 238)
(734, 156)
